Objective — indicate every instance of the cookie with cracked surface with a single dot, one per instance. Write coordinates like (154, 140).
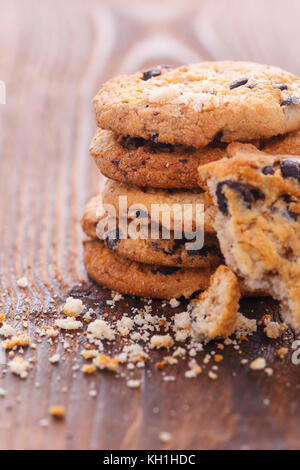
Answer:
(214, 313)
(166, 252)
(143, 280)
(145, 163)
(194, 104)
(142, 200)
(258, 221)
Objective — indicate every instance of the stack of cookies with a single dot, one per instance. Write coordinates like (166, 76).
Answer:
(155, 128)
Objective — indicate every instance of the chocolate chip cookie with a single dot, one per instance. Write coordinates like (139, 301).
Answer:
(258, 221)
(168, 252)
(146, 163)
(195, 104)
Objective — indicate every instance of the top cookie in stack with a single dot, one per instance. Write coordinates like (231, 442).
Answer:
(155, 128)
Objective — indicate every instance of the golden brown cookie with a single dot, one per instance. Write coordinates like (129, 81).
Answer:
(193, 104)
(132, 278)
(93, 213)
(170, 252)
(258, 221)
(143, 199)
(215, 311)
(144, 163)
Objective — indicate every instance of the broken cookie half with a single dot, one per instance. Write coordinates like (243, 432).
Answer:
(215, 312)
(258, 221)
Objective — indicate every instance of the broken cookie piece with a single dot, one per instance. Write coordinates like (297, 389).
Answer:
(258, 221)
(214, 312)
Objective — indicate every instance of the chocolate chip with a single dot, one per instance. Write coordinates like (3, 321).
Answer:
(257, 194)
(154, 137)
(276, 206)
(167, 270)
(125, 175)
(249, 195)
(251, 85)
(112, 239)
(268, 170)
(184, 160)
(132, 143)
(291, 100)
(178, 243)
(289, 169)
(155, 246)
(239, 82)
(280, 87)
(179, 260)
(140, 214)
(116, 162)
(155, 72)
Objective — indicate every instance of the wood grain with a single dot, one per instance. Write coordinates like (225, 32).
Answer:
(54, 56)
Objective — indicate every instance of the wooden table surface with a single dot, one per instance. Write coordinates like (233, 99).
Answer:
(54, 56)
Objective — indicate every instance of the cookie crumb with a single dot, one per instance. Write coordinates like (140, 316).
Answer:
(22, 282)
(44, 423)
(19, 366)
(105, 362)
(212, 375)
(125, 325)
(133, 383)
(101, 329)
(218, 357)
(57, 411)
(165, 436)
(20, 339)
(54, 359)
(6, 330)
(68, 324)
(258, 364)
(244, 326)
(274, 329)
(88, 369)
(281, 352)
(174, 303)
(161, 341)
(52, 333)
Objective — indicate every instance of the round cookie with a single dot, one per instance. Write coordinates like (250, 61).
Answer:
(145, 163)
(170, 252)
(144, 198)
(142, 280)
(194, 104)
(93, 213)
(288, 144)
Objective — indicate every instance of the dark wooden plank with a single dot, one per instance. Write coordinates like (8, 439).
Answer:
(54, 56)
